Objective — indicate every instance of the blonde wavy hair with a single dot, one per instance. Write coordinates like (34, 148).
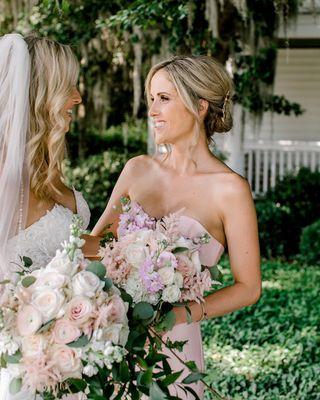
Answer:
(54, 74)
(195, 78)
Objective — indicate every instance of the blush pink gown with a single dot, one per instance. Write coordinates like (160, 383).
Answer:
(210, 254)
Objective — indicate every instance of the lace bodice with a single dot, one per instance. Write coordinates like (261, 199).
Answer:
(41, 240)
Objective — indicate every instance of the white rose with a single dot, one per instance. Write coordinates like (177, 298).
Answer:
(112, 333)
(86, 283)
(33, 345)
(90, 370)
(178, 279)
(48, 302)
(135, 254)
(62, 264)
(166, 275)
(49, 279)
(66, 360)
(196, 261)
(171, 294)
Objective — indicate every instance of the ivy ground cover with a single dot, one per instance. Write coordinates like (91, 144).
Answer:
(269, 350)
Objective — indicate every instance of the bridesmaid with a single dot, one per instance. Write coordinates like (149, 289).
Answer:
(189, 100)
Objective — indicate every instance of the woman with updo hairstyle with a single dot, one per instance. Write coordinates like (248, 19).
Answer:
(190, 99)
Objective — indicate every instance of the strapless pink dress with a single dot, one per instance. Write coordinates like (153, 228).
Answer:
(210, 254)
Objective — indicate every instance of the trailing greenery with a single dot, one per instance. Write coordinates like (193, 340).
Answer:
(310, 244)
(269, 351)
(285, 210)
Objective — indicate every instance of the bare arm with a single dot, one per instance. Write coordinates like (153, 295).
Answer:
(240, 225)
(111, 213)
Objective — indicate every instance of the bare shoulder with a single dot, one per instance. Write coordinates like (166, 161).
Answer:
(139, 164)
(233, 184)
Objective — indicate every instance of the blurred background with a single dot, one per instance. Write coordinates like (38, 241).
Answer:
(272, 50)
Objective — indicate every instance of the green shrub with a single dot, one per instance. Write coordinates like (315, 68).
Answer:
(274, 223)
(295, 195)
(310, 244)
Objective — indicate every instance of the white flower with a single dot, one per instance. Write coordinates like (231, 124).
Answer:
(171, 294)
(86, 283)
(135, 254)
(7, 344)
(196, 261)
(33, 345)
(178, 279)
(182, 242)
(49, 279)
(166, 275)
(62, 264)
(135, 288)
(49, 303)
(90, 370)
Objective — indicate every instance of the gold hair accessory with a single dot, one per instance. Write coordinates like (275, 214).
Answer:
(225, 104)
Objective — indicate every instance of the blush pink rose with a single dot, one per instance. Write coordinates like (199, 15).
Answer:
(66, 361)
(29, 320)
(114, 311)
(79, 310)
(185, 265)
(65, 331)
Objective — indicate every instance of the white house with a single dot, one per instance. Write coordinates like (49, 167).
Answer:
(283, 143)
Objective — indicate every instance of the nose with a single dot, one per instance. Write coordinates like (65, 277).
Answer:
(153, 109)
(77, 99)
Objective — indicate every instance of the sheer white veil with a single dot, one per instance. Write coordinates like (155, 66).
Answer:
(14, 122)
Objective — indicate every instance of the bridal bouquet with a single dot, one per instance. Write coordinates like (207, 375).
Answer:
(62, 324)
(153, 262)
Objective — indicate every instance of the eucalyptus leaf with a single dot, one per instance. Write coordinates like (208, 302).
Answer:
(46, 326)
(81, 342)
(15, 386)
(193, 377)
(14, 358)
(107, 283)
(97, 268)
(143, 311)
(179, 250)
(156, 393)
(28, 281)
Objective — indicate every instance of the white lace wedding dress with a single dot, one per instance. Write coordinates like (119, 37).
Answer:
(40, 242)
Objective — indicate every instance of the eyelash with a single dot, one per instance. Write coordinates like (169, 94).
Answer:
(162, 98)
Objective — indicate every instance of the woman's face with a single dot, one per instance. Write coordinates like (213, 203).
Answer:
(74, 99)
(172, 121)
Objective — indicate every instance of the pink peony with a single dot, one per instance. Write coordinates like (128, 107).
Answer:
(114, 311)
(79, 310)
(185, 265)
(65, 331)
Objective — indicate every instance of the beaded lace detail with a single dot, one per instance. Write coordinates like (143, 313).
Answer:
(41, 240)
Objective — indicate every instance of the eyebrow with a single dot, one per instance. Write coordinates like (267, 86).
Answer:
(160, 93)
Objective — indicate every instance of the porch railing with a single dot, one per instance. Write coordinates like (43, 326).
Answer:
(265, 161)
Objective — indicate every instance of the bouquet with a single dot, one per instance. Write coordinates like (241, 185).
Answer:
(62, 324)
(153, 262)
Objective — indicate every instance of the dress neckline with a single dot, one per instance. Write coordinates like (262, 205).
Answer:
(181, 216)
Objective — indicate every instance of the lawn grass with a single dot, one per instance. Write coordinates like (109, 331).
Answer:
(269, 350)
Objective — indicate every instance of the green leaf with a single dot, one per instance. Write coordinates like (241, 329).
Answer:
(14, 358)
(166, 323)
(5, 282)
(156, 393)
(145, 378)
(192, 366)
(15, 385)
(28, 281)
(125, 296)
(171, 378)
(193, 377)
(124, 372)
(27, 261)
(46, 326)
(107, 283)
(215, 273)
(178, 345)
(81, 342)
(78, 384)
(143, 311)
(189, 315)
(97, 268)
(179, 250)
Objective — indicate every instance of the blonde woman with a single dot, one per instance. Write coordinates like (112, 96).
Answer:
(38, 91)
(189, 100)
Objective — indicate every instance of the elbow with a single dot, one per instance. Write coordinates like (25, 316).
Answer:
(255, 294)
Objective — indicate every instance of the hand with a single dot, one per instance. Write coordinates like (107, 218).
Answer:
(91, 247)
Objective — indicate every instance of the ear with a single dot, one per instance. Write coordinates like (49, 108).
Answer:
(203, 107)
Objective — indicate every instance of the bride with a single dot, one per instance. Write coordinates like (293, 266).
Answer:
(190, 99)
(38, 79)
